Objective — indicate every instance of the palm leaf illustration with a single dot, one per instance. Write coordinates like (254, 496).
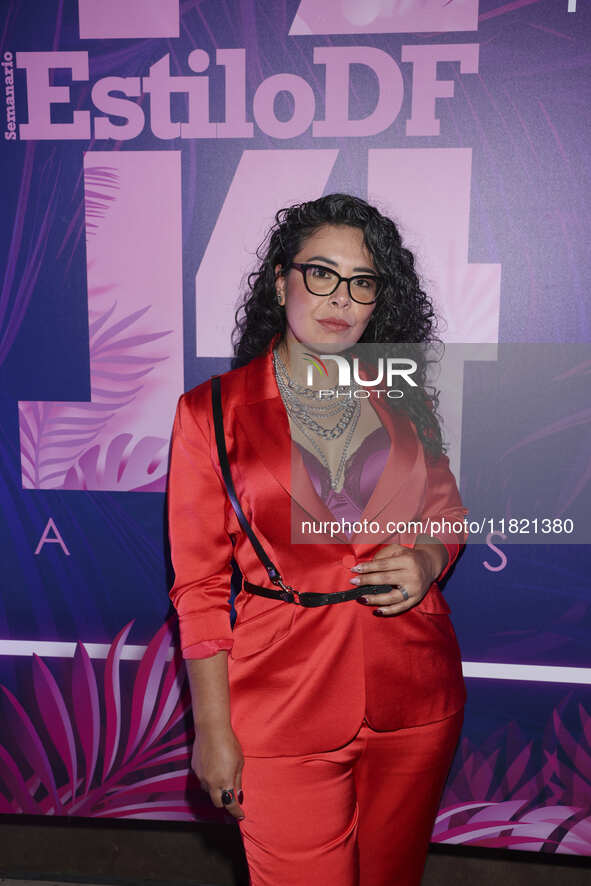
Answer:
(55, 435)
(31, 745)
(113, 700)
(86, 711)
(122, 464)
(56, 718)
(101, 184)
(120, 752)
(518, 795)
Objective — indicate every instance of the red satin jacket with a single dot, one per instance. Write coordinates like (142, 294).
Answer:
(302, 679)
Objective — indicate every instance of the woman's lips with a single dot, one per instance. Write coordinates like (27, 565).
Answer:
(334, 325)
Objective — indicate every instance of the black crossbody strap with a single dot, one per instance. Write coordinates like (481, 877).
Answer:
(218, 421)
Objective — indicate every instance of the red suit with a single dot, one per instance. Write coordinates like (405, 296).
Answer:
(302, 681)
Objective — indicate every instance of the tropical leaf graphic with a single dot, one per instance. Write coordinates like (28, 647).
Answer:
(123, 752)
(126, 465)
(513, 795)
(101, 184)
(54, 436)
(57, 438)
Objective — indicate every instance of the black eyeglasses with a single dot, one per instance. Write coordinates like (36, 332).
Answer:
(320, 280)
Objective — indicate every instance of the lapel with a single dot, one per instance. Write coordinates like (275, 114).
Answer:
(395, 492)
(264, 422)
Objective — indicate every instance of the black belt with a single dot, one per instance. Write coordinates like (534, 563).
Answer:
(290, 595)
(287, 593)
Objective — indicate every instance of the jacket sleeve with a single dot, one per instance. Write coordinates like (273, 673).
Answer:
(207, 648)
(442, 509)
(201, 549)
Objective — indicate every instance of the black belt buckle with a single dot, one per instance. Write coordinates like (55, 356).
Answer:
(287, 593)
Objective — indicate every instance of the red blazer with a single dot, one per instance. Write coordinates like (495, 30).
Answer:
(302, 680)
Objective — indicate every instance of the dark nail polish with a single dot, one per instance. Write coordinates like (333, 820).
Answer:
(378, 612)
(362, 600)
(240, 796)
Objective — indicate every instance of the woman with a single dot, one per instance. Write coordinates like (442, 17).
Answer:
(327, 732)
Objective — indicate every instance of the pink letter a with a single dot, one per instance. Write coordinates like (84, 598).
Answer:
(56, 539)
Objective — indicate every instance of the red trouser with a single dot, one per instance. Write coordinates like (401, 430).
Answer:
(361, 815)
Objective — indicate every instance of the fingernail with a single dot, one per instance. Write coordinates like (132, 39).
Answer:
(362, 600)
(240, 796)
(355, 581)
(356, 568)
(377, 612)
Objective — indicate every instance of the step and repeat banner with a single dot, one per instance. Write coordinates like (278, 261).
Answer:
(146, 146)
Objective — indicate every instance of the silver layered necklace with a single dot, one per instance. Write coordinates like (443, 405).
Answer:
(301, 407)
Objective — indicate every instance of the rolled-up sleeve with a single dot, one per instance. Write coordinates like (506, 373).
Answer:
(207, 648)
(201, 549)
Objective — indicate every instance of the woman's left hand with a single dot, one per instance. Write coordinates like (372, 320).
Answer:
(411, 571)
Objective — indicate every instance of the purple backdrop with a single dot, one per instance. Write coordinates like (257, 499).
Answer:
(146, 146)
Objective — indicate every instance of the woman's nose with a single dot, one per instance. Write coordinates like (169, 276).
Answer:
(341, 294)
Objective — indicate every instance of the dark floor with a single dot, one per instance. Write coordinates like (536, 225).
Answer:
(129, 853)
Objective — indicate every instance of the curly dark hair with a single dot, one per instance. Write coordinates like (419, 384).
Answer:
(403, 313)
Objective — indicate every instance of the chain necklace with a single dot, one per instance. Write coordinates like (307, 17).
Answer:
(334, 478)
(302, 411)
(299, 413)
(302, 390)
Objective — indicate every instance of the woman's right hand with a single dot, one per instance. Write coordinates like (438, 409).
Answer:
(217, 762)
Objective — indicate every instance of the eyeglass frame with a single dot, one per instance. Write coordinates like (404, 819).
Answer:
(303, 266)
